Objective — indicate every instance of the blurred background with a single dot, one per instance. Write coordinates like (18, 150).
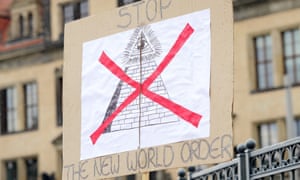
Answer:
(266, 79)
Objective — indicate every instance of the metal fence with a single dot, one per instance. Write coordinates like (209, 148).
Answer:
(279, 161)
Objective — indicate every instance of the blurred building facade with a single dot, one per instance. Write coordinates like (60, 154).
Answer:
(267, 46)
(31, 58)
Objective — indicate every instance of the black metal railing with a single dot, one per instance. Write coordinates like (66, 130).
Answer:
(279, 161)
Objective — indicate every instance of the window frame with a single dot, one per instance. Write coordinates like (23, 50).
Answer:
(82, 12)
(76, 14)
(131, 177)
(21, 26)
(59, 96)
(293, 57)
(31, 106)
(77, 10)
(297, 123)
(122, 3)
(269, 133)
(30, 24)
(29, 172)
(63, 7)
(15, 171)
(265, 61)
(9, 110)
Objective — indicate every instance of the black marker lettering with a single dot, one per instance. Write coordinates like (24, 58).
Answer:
(157, 158)
(151, 18)
(104, 166)
(131, 163)
(116, 166)
(138, 11)
(151, 154)
(123, 13)
(226, 146)
(140, 161)
(68, 170)
(185, 157)
(163, 7)
(168, 150)
(214, 153)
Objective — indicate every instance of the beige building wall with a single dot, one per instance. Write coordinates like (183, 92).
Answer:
(33, 143)
(98, 6)
(252, 107)
(27, 60)
(24, 8)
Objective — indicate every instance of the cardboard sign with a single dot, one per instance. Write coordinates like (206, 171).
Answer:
(151, 94)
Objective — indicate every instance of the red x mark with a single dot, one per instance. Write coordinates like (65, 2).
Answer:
(181, 111)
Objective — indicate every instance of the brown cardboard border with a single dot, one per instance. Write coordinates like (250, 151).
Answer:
(221, 90)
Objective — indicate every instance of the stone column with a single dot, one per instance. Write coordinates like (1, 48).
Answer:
(20, 107)
(251, 62)
(281, 130)
(21, 168)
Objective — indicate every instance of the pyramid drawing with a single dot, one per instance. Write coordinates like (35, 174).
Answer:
(139, 62)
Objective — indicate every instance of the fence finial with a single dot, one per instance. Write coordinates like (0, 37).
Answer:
(181, 173)
(250, 144)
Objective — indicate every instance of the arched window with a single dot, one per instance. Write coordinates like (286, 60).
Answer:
(30, 24)
(21, 26)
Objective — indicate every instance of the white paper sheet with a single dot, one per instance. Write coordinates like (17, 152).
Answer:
(184, 81)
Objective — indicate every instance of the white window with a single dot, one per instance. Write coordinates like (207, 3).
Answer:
(31, 105)
(8, 115)
(11, 170)
(268, 134)
(73, 11)
(264, 65)
(291, 44)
